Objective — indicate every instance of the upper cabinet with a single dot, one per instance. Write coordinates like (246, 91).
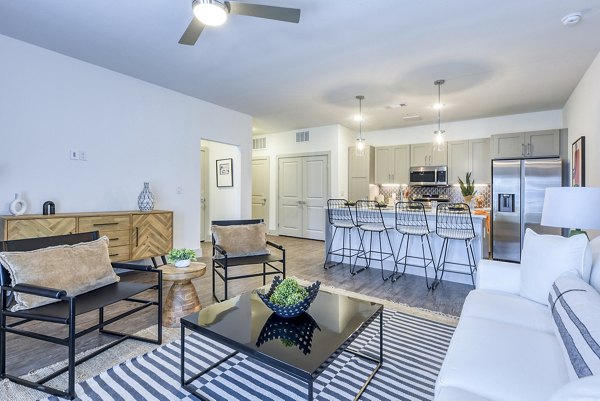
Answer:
(360, 173)
(424, 154)
(526, 144)
(392, 164)
(469, 156)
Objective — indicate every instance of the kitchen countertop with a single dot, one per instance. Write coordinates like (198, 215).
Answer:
(390, 210)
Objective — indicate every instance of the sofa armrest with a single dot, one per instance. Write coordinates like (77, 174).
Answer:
(498, 276)
(128, 266)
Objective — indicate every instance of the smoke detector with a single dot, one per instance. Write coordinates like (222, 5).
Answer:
(571, 19)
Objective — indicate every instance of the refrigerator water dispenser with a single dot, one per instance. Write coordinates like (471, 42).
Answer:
(506, 203)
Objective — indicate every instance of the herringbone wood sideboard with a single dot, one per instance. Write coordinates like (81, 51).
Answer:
(132, 235)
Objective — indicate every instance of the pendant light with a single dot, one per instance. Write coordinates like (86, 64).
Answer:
(439, 139)
(360, 141)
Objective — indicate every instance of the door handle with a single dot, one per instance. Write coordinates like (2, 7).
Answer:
(522, 149)
(264, 201)
(137, 236)
(529, 149)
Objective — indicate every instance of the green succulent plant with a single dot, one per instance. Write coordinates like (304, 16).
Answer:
(467, 187)
(288, 293)
(180, 254)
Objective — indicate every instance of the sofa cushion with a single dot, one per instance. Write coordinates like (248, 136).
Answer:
(586, 389)
(545, 257)
(241, 240)
(508, 308)
(498, 360)
(575, 309)
(449, 393)
(595, 274)
(75, 268)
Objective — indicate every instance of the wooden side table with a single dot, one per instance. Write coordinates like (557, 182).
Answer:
(182, 299)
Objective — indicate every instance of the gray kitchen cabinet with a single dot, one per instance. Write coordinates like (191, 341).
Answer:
(469, 156)
(424, 154)
(384, 164)
(526, 144)
(480, 160)
(458, 160)
(392, 164)
(401, 164)
(542, 143)
(360, 173)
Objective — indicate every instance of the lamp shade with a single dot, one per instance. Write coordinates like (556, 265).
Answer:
(572, 207)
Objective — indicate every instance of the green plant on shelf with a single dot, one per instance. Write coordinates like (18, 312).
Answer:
(467, 187)
(176, 255)
(288, 293)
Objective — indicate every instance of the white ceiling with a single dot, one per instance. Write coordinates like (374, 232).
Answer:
(498, 57)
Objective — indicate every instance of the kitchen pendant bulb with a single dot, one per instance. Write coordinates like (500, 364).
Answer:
(360, 147)
(210, 12)
(358, 118)
(439, 137)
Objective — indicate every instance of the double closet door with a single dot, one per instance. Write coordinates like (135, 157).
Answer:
(303, 193)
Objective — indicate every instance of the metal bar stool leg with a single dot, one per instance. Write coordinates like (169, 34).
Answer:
(424, 264)
(432, 262)
(392, 254)
(396, 261)
(329, 250)
(360, 254)
(469, 261)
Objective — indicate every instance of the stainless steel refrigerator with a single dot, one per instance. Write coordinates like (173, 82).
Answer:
(518, 188)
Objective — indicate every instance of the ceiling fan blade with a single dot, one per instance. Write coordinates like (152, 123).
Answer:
(192, 33)
(261, 11)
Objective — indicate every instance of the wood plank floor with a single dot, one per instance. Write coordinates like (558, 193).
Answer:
(304, 260)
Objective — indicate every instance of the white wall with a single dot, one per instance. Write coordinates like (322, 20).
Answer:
(468, 129)
(581, 116)
(223, 202)
(324, 140)
(131, 130)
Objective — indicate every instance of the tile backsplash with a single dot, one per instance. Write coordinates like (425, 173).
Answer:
(453, 192)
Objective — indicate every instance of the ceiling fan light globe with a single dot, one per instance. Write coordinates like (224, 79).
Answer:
(210, 12)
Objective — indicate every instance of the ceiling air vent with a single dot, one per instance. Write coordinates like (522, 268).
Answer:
(414, 117)
(259, 143)
(302, 136)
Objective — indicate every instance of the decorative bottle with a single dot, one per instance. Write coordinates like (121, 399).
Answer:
(146, 199)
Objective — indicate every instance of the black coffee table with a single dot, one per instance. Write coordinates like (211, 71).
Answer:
(302, 347)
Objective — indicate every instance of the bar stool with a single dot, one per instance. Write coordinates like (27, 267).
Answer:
(412, 221)
(454, 222)
(369, 219)
(340, 217)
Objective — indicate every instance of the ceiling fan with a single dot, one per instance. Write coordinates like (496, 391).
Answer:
(215, 12)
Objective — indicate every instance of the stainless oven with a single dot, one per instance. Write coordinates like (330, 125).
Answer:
(429, 175)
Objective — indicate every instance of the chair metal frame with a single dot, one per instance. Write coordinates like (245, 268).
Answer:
(455, 222)
(338, 213)
(222, 262)
(411, 220)
(65, 311)
(369, 213)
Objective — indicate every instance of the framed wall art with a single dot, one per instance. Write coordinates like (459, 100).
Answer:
(224, 173)
(578, 163)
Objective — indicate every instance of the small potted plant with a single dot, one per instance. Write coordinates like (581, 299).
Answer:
(181, 257)
(467, 187)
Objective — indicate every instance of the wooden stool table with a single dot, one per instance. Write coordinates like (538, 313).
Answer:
(182, 299)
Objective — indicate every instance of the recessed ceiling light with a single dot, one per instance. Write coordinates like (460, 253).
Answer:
(571, 19)
(395, 105)
(438, 106)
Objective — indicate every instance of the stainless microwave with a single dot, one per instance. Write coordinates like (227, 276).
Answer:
(429, 175)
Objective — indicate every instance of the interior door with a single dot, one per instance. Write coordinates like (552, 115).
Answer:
(290, 196)
(260, 189)
(315, 193)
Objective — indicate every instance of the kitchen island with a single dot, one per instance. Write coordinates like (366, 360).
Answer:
(456, 249)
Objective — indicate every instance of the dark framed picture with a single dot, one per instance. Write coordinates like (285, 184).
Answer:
(225, 173)
(578, 163)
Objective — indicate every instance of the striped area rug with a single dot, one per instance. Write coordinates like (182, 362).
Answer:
(414, 348)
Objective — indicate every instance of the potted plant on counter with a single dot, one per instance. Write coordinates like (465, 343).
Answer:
(181, 257)
(467, 188)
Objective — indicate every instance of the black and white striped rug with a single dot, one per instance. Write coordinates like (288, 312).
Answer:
(414, 348)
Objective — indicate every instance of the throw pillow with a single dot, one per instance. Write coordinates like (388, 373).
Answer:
(545, 257)
(242, 240)
(75, 268)
(574, 305)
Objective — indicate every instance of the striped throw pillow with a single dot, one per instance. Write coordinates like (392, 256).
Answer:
(575, 308)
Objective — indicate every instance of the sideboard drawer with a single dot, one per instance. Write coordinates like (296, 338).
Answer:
(104, 223)
(117, 238)
(44, 227)
(118, 253)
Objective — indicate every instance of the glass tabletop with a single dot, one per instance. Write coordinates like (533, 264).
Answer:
(304, 343)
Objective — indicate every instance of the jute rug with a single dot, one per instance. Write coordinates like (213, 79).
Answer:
(416, 341)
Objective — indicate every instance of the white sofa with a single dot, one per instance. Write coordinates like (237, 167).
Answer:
(505, 347)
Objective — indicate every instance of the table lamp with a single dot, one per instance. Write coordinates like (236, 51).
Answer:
(576, 208)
